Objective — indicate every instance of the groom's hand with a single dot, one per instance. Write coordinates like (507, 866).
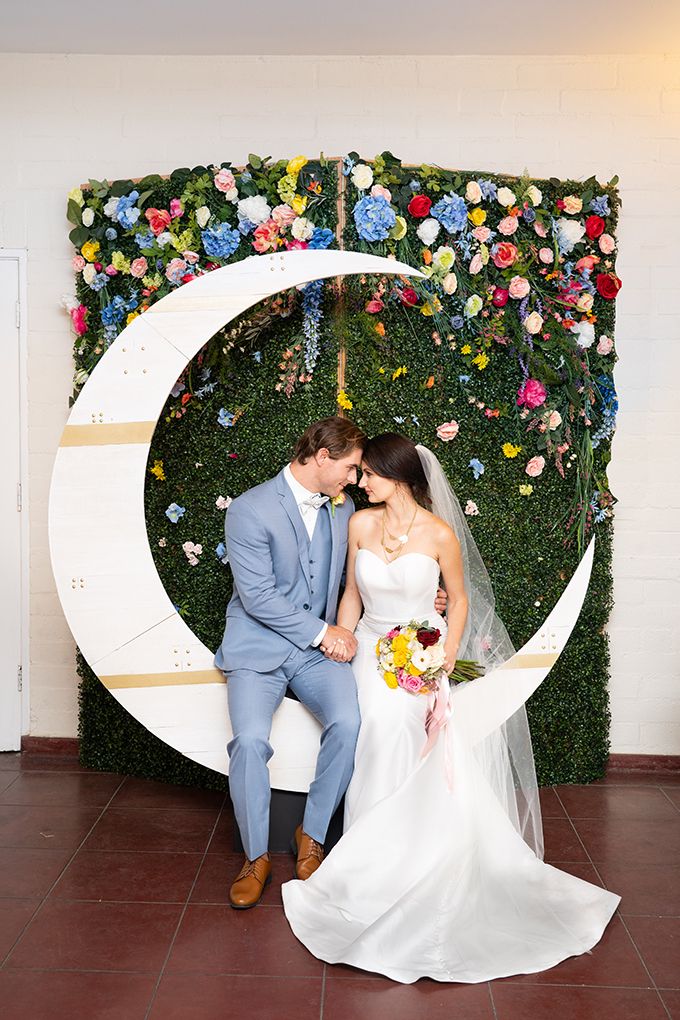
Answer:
(440, 600)
(339, 644)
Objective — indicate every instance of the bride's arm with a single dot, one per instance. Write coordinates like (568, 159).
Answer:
(451, 566)
(351, 605)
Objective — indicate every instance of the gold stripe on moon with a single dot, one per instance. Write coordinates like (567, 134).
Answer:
(116, 433)
(198, 676)
(537, 661)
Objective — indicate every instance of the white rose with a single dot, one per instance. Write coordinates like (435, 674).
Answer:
(534, 195)
(69, 302)
(450, 283)
(88, 217)
(164, 238)
(436, 656)
(585, 334)
(444, 254)
(202, 216)
(81, 377)
(111, 208)
(585, 302)
(573, 204)
(473, 192)
(569, 233)
(302, 228)
(231, 195)
(428, 230)
(89, 273)
(362, 176)
(553, 420)
(533, 323)
(505, 197)
(254, 209)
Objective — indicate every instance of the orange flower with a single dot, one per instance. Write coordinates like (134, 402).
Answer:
(430, 383)
(427, 256)
(380, 328)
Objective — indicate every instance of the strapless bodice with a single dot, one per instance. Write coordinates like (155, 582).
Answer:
(397, 592)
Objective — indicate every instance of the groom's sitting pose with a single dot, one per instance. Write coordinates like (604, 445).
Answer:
(286, 545)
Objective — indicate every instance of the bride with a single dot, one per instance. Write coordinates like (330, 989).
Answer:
(440, 870)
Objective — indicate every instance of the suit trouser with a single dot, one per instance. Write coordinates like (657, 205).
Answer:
(328, 690)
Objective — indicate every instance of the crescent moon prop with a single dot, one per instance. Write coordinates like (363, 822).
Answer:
(116, 606)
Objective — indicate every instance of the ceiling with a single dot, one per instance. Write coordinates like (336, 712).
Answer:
(346, 27)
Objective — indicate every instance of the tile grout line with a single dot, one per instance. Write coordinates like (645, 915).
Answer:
(323, 991)
(493, 1004)
(42, 902)
(183, 913)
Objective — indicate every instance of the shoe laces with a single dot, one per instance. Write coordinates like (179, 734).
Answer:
(315, 849)
(248, 869)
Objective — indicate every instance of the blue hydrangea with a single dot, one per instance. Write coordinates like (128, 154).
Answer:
(174, 512)
(221, 552)
(116, 310)
(488, 189)
(99, 282)
(245, 226)
(600, 205)
(451, 211)
(414, 185)
(225, 418)
(110, 234)
(477, 467)
(457, 321)
(347, 165)
(463, 379)
(374, 218)
(321, 238)
(220, 242)
(144, 238)
(529, 214)
(127, 213)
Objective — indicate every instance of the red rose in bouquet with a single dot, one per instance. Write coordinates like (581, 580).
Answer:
(428, 637)
(409, 296)
(608, 285)
(420, 206)
(594, 226)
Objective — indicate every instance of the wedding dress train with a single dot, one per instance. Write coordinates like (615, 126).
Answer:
(431, 878)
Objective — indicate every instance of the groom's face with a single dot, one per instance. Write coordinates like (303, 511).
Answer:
(334, 475)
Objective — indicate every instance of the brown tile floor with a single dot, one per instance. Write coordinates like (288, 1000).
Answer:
(113, 906)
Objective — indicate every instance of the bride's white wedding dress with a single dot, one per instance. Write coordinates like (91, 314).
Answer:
(428, 880)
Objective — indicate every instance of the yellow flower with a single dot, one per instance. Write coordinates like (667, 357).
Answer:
(477, 216)
(399, 643)
(298, 204)
(526, 490)
(381, 371)
(89, 250)
(119, 262)
(415, 672)
(509, 450)
(295, 165)
(377, 648)
(402, 370)
(399, 229)
(466, 349)
(432, 305)
(157, 470)
(286, 186)
(130, 317)
(76, 195)
(400, 658)
(391, 680)
(344, 402)
(481, 361)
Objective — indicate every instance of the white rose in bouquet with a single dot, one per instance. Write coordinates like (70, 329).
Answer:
(254, 209)
(428, 230)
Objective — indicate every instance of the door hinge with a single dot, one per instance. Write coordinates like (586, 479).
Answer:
(17, 307)
(20, 678)
(20, 498)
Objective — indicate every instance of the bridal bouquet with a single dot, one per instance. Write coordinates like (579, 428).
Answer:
(412, 657)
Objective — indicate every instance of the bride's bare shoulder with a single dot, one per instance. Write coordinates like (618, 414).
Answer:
(440, 530)
(362, 521)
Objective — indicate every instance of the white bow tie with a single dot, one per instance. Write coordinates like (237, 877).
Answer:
(312, 502)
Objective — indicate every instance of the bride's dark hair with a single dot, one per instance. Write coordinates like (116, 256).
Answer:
(395, 457)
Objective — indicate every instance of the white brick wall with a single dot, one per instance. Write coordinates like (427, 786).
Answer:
(67, 118)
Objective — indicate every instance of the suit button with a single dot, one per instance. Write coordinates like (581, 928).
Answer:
(306, 605)
(311, 561)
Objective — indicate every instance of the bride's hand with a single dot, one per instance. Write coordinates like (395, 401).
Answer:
(450, 656)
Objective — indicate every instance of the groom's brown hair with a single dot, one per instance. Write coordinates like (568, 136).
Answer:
(337, 435)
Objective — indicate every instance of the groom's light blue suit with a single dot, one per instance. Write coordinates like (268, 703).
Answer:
(285, 588)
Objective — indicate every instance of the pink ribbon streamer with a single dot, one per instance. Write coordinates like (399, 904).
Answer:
(436, 720)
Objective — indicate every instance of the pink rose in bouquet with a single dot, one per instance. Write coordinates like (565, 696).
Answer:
(532, 392)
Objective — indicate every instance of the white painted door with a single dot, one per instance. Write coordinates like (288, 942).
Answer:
(11, 594)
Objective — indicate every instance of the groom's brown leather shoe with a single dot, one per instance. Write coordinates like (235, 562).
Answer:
(250, 882)
(309, 854)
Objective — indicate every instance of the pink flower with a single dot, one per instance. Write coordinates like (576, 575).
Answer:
(587, 262)
(176, 208)
(500, 297)
(471, 509)
(283, 215)
(448, 431)
(393, 633)
(519, 287)
(78, 317)
(504, 254)
(535, 467)
(224, 181)
(481, 234)
(605, 345)
(377, 191)
(374, 306)
(296, 245)
(175, 269)
(607, 244)
(191, 257)
(508, 225)
(532, 392)
(546, 255)
(158, 219)
(540, 230)
(138, 267)
(266, 236)
(411, 683)
(111, 271)
(78, 263)
(476, 265)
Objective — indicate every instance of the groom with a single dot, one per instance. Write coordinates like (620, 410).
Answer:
(286, 543)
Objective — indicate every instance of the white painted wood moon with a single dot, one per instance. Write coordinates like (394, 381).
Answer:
(112, 596)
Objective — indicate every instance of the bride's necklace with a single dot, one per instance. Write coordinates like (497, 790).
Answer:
(401, 540)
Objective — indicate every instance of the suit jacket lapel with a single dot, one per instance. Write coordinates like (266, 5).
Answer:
(334, 542)
(290, 506)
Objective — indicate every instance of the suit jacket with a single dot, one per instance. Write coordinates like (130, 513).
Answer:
(269, 613)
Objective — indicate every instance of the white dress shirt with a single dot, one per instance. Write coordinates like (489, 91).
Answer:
(300, 494)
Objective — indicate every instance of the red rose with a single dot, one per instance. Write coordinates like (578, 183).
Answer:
(158, 219)
(420, 206)
(428, 638)
(594, 226)
(409, 296)
(608, 285)
(500, 297)
(504, 254)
